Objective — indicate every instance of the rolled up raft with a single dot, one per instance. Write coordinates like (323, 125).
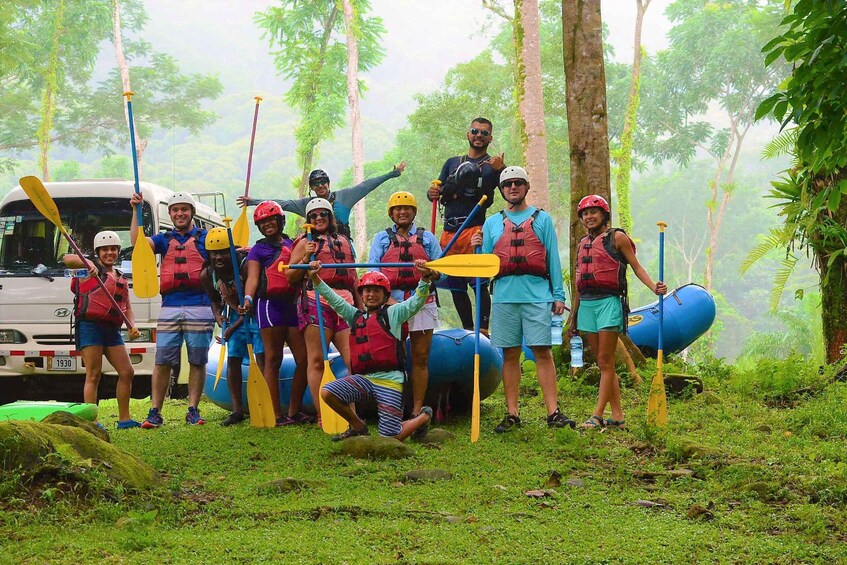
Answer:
(451, 360)
(38, 410)
(689, 313)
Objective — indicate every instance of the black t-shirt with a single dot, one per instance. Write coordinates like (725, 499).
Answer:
(458, 205)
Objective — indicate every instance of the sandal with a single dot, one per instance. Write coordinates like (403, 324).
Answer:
(593, 422)
(616, 424)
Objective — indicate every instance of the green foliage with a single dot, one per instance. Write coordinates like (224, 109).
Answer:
(115, 167)
(800, 333)
(68, 170)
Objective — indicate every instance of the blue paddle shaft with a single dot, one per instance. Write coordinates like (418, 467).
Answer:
(134, 160)
(661, 298)
(349, 265)
(477, 287)
(236, 272)
(463, 226)
(318, 307)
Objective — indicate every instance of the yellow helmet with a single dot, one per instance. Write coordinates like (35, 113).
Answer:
(217, 239)
(402, 198)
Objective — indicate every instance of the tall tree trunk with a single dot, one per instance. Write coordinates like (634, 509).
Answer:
(531, 103)
(585, 91)
(359, 216)
(624, 168)
(48, 97)
(140, 144)
(834, 284)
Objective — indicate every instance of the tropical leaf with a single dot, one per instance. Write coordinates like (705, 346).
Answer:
(777, 239)
(780, 281)
(783, 144)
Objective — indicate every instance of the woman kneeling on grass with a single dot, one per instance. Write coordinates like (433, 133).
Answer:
(599, 310)
(98, 327)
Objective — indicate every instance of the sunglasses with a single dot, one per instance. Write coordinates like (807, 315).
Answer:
(482, 132)
(316, 215)
(515, 182)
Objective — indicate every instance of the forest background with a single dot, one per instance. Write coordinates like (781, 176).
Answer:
(197, 66)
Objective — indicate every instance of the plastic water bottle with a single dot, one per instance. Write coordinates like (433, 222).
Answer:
(556, 329)
(76, 273)
(576, 352)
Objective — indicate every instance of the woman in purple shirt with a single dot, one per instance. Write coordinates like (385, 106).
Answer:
(276, 309)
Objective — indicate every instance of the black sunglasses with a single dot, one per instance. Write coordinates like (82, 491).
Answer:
(316, 215)
(482, 132)
(319, 182)
(515, 182)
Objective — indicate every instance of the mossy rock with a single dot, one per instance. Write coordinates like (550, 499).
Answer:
(710, 398)
(686, 449)
(428, 475)
(67, 419)
(375, 447)
(677, 383)
(439, 435)
(289, 484)
(31, 447)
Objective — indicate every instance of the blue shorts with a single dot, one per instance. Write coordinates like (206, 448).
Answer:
(97, 333)
(236, 345)
(512, 323)
(599, 315)
(192, 325)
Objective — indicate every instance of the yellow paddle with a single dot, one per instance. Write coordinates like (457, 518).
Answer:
(476, 400)
(241, 229)
(145, 279)
(657, 403)
(34, 188)
(483, 265)
(259, 400)
(331, 422)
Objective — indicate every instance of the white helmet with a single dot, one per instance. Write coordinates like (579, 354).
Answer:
(512, 173)
(104, 238)
(181, 198)
(318, 204)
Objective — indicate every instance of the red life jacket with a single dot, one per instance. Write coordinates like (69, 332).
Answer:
(372, 347)
(181, 266)
(404, 250)
(91, 302)
(336, 249)
(272, 282)
(520, 250)
(601, 269)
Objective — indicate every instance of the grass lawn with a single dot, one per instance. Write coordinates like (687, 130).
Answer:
(733, 478)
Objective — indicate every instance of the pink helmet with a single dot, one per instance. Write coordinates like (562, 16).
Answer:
(592, 201)
(375, 278)
(267, 209)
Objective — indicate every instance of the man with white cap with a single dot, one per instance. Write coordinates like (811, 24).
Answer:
(186, 313)
(527, 291)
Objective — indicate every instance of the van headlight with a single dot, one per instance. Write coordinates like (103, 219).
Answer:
(146, 335)
(12, 336)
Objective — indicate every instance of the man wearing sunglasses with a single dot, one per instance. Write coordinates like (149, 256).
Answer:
(464, 179)
(342, 200)
(527, 292)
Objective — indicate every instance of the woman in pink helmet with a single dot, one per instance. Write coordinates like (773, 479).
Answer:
(600, 299)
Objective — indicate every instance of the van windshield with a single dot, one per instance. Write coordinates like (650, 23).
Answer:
(29, 241)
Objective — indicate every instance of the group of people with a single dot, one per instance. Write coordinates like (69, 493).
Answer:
(367, 318)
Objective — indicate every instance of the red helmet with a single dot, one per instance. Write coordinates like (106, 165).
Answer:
(267, 209)
(375, 278)
(592, 201)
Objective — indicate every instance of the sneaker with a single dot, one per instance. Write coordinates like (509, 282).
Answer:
(127, 424)
(101, 426)
(421, 432)
(302, 418)
(154, 419)
(351, 433)
(508, 422)
(232, 419)
(193, 417)
(559, 420)
(284, 421)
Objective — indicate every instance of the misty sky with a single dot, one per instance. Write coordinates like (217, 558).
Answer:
(423, 40)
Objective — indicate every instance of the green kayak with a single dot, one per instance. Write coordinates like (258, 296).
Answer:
(38, 410)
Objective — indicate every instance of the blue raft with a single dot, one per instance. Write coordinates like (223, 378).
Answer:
(450, 371)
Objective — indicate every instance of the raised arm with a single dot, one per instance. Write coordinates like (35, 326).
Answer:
(133, 224)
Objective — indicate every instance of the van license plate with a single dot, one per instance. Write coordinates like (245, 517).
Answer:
(61, 363)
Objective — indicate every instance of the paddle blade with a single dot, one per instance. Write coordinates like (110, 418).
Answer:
(331, 422)
(221, 358)
(475, 405)
(241, 230)
(657, 403)
(482, 265)
(145, 278)
(34, 188)
(258, 396)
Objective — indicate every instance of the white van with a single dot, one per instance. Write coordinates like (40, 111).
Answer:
(36, 305)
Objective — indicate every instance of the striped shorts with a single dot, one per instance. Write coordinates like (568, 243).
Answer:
(388, 395)
(190, 324)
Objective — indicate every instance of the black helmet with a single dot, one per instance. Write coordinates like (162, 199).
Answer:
(468, 175)
(318, 175)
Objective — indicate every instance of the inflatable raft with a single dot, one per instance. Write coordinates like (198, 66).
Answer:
(38, 410)
(689, 313)
(451, 361)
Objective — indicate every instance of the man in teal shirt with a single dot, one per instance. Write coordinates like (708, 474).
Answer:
(527, 292)
(377, 353)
